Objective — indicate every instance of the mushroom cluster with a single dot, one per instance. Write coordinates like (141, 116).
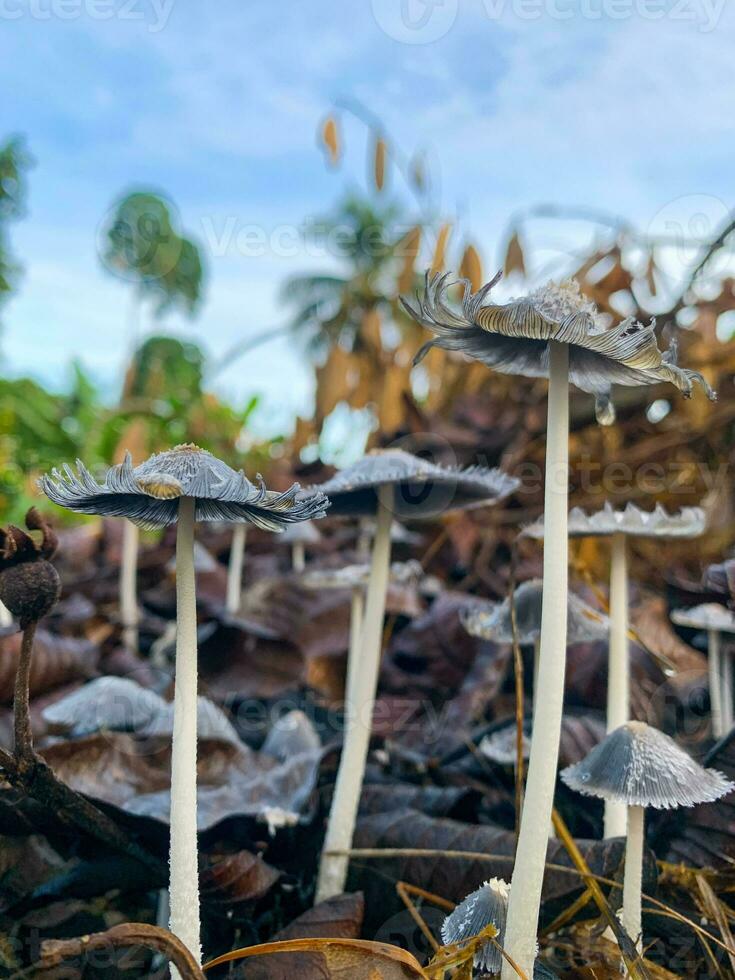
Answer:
(557, 333)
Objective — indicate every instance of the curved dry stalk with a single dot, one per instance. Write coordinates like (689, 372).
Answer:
(54, 952)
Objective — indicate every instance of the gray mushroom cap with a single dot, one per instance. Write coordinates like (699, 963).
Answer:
(500, 747)
(356, 576)
(420, 489)
(305, 532)
(514, 337)
(487, 905)
(708, 616)
(689, 522)
(640, 766)
(149, 494)
(492, 621)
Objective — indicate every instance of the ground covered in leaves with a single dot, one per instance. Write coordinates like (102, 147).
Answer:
(270, 724)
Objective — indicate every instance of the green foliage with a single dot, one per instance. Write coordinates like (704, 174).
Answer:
(40, 429)
(144, 247)
(163, 389)
(330, 308)
(14, 163)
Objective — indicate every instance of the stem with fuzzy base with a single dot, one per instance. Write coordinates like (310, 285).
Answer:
(129, 586)
(359, 713)
(633, 877)
(727, 715)
(234, 568)
(528, 873)
(618, 683)
(184, 871)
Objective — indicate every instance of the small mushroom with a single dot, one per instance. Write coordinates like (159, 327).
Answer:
(618, 525)
(639, 767)
(557, 333)
(385, 484)
(298, 536)
(715, 619)
(492, 621)
(356, 579)
(487, 905)
(181, 486)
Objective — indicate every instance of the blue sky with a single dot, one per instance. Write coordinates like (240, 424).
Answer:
(623, 105)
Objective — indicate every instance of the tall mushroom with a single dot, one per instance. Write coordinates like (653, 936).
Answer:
(299, 536)
(715, 619)
(554, 332)
(183, 485)
(356, 578)
(619, 525)
(492, 620)
(233, 595)
(386, 484)
(640, 767)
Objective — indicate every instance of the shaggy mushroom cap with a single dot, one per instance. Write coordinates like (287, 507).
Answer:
(485, 906)
(355, 576)
(640, 766)
(513, 338)
(689, 522)
(420, 488)
(149, 494)
(492, 621)
(709, 616)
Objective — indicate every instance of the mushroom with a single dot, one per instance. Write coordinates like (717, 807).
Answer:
(554, 332)
(233, 595)
(356, 578)
(618, 525)
(715, 619)
(487, 905)
(129, 613)
(182, 485)
(298, 536)
(492, 620)
(640, 767)
(385, 484)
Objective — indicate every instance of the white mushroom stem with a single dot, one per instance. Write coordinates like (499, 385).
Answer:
(6, 618)
(633, 874)
(129, 586)
(234, 568)
(727, 713)
(618, 683)
(528, 873)
(715, 682)
(359, 713)
(184, 872)
(298, 557)
(357, 611)
(536, 660)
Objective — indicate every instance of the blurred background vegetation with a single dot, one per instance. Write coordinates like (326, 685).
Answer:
(348, 322)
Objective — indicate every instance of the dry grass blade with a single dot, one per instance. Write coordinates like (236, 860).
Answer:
(358, 959)
(632, 960)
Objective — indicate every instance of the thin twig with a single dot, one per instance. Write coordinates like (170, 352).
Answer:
(54, 952)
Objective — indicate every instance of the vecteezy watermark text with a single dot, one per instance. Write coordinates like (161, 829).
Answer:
(153, 13)
(426, 21)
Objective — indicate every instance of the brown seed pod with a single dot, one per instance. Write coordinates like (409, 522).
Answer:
(29, 584)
